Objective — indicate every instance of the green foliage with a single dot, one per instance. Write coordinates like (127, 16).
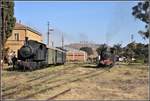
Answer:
(100, 48)
(141, 12)
(118, 49)
(8, 16)
(87, 49)
(130, 48)
(137, 50)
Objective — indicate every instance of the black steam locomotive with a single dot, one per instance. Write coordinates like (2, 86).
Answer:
(106, 58)
(33, 55)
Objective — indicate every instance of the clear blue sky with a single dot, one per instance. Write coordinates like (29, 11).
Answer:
(99, 22)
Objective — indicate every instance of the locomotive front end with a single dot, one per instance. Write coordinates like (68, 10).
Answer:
(107, 58)
(25, 52)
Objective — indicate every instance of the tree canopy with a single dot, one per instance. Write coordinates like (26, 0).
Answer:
(87, 49)
(141, 11)
(8, 17)
(118, 49)
(100, 48)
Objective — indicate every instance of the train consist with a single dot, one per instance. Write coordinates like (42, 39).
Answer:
(33, 55)
(106, 58)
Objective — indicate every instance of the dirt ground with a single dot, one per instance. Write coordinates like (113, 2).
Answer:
(77, 82)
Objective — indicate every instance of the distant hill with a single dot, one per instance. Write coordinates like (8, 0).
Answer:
(79, 45)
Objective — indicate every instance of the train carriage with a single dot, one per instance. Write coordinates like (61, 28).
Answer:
(55, 56)
(51, 56)
(60, 56)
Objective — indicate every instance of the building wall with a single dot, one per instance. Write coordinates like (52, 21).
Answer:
(76, 56)
(14, 44)
(34, 36)
(21, 34)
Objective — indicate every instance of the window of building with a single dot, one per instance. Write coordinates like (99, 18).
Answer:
(17, 36)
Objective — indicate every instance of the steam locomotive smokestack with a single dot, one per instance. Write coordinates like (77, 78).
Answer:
(26, 40)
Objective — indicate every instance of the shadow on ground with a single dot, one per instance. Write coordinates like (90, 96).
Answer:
(27, 70)
(89, 66)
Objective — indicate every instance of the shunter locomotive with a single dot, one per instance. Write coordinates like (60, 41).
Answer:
(33, 55)
(106, 58)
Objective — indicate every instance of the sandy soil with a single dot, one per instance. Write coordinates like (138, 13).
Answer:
(77, 82)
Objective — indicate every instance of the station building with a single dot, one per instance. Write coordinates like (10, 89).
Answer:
(20, 31)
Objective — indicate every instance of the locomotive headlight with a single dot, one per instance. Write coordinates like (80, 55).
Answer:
(26, 51)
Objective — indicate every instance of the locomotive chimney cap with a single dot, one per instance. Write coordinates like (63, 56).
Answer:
(26, 38)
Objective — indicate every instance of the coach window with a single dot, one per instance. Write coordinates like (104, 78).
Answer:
(17, 36)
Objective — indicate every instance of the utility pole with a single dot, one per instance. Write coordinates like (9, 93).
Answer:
(52, 43)
(132, 37)
(48, 35)
(62, 41)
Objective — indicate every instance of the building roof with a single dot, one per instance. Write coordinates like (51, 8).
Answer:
(21, 26)
(73, 50)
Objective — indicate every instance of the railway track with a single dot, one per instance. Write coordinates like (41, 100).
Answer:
(47, 77)
(65, 82)
(49, 80)
(61, 93)
(40, 77)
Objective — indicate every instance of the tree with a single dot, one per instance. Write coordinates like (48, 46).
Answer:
(87, 49)
(130, 49)
(141, 52)
(141, 11)
(137, 50)
(100, 48)
(7, 21)
(118, 49)
(7, 18)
